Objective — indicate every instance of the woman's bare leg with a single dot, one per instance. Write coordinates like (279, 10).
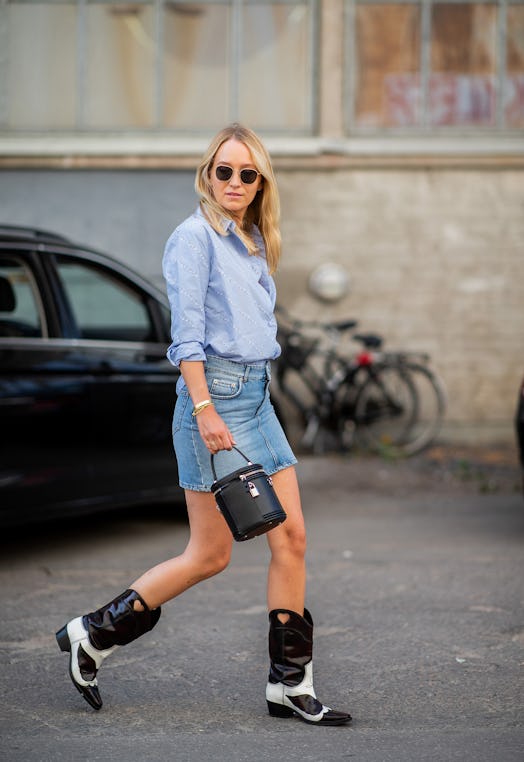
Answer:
(209, 550)
(286, 587)
(207, 553)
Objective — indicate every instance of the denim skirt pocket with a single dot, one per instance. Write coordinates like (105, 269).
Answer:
(181, 404)
(224, 387)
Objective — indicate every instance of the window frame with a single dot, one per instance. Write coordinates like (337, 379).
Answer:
(101, 275)
(43, 327)
(157, 129)
(425, 128)
(333, 140)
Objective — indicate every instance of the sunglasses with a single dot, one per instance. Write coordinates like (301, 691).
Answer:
(248, 176)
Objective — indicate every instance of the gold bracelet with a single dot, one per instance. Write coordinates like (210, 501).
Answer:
(201, 406)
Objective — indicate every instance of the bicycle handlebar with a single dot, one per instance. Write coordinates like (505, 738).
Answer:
(339, 325)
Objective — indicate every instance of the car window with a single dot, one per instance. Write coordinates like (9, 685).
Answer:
(19, 302)
(104, 306)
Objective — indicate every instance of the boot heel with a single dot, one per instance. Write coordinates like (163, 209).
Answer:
(278, 710)
(62, 638)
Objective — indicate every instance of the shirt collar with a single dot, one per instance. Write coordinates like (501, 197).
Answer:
(227, 223)
(230, 227)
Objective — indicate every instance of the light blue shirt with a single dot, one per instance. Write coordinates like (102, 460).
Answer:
(222, 298)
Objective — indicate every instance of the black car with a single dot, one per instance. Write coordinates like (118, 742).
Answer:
(86, 392)
(519, 427)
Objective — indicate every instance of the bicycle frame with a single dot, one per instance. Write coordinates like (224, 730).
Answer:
(390, 399)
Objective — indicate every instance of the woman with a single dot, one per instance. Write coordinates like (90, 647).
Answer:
(218, 265)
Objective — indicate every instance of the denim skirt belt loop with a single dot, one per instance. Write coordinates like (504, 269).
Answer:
(240, 393)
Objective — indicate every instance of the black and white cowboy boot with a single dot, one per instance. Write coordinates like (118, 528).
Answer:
(93, 637)
(290, 688)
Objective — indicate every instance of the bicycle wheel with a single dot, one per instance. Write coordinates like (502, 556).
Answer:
(385, 409)
(431, 406)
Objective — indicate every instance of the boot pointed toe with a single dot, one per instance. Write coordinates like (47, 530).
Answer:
(331, 717)
(90, 693)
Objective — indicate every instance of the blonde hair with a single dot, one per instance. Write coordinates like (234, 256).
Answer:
(264, 210)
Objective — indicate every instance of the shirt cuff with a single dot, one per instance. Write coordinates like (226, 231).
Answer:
(189, 351)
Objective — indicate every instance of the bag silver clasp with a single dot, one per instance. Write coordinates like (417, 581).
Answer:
(253, 491)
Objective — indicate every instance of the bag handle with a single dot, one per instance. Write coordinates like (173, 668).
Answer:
(249, 462)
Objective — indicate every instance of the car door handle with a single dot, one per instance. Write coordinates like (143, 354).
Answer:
(105, 368)
(150, 357)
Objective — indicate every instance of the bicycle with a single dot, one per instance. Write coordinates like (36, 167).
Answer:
(374, 399)
(430, 404)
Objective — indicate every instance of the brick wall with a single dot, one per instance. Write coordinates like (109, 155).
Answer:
(436, 261)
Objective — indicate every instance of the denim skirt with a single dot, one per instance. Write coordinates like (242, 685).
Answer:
(240, 393)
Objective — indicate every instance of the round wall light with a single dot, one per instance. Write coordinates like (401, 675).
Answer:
(329, 282)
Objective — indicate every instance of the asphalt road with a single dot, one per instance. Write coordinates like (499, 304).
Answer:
(416, 587)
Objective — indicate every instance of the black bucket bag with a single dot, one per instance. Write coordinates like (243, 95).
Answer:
(247, 500)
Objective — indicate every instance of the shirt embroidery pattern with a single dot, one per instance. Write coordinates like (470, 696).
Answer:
(222, 299)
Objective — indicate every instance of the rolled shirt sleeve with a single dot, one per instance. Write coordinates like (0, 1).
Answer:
(186, 268)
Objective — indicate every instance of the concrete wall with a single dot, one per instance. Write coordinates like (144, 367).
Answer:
(436, 259)
(128, 214)
(435, 256)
